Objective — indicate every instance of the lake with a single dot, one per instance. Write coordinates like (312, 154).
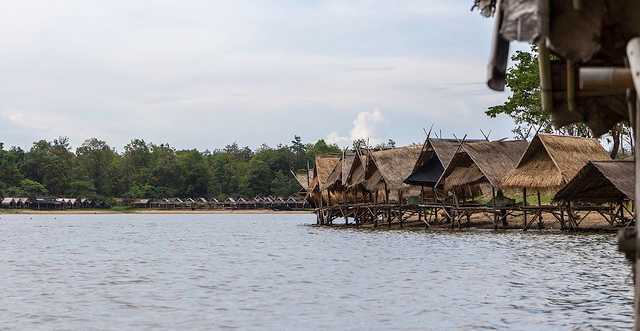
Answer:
(255, 272)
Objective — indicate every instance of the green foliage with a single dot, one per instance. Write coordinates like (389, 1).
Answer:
(524, 103)
(32, 188)
(523, 106)
(146, 170)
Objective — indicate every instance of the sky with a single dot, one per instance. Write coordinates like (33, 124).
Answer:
(206, 73)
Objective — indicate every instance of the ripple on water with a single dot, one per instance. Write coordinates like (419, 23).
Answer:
(269, 272)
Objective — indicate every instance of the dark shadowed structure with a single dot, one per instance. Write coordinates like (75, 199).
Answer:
(601, 182)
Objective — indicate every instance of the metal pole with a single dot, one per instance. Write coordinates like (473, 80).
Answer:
(633, 55)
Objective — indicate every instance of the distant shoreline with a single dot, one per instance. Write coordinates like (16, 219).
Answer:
(152, 211)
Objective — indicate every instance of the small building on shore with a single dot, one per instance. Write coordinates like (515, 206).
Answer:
(601, 182)
(434, 157)
(479, 167)
(355, 179)
(551, 161)
(319, 192)
(386, 171)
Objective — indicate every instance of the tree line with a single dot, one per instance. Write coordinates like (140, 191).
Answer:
(147, 170)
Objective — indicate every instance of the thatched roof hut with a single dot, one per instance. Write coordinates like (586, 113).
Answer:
(481, 162)
(304, 178)
(551, 161)
(600, 182)
(356, 173)
(387, 169)
(338, 177)
(324, 164)
(434, 158)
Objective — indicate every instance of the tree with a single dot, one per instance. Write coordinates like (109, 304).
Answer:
(195, 173)
(50, 163)
(259, 177)
(95, 160)
(283, 184)
(33, 188)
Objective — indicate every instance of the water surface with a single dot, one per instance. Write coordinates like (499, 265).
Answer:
(168, 272)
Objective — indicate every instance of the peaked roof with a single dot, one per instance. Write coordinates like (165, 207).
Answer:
(551, 161)
(601, 181)
(304, 178)
(356, 173)
(324, 165)
(484, 159)
(393, 165)
(340, 172)
(347, 163)
(434, 158)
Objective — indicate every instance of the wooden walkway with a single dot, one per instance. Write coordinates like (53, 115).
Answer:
(569, 217)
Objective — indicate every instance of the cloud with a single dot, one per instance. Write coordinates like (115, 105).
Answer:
(366, 126)
(202, 74)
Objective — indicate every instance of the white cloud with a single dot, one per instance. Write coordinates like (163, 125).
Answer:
(366, 126)
(203, 74)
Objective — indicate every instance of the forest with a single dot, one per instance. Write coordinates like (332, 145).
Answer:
(146, 170)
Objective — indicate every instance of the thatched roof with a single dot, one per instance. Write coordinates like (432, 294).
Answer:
(601, 181)
(552, 161)
(347, 163)
(324, 165)
(479, 161)
(356, 174)
(340, 172)
(304, 178)
(335, 177)
(391, 166)
(434, 158)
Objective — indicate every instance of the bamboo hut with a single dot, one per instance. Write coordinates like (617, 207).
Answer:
(355, 178)
(434, 158)
(8, 203)
(386, 171)
(318, 189)
(338, 177)
(479, 167)
(551, 161)
(602, 183)
(141, 203)
(303, 177)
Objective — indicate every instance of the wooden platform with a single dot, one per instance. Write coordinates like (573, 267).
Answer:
(569, 217)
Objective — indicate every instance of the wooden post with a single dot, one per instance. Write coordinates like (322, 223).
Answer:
(524, 204)
(540, 220)
(633, 56)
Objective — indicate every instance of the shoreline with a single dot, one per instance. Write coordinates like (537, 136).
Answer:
(153, 212)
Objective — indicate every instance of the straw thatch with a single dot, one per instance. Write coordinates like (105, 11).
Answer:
(324, 165)
(434, 158)
(335, 177)
(338, 177)
(482, 162)
(552, 161)
(391, 167)
(347, 163)
(356, 175)
(304, 178)
(601, 181)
